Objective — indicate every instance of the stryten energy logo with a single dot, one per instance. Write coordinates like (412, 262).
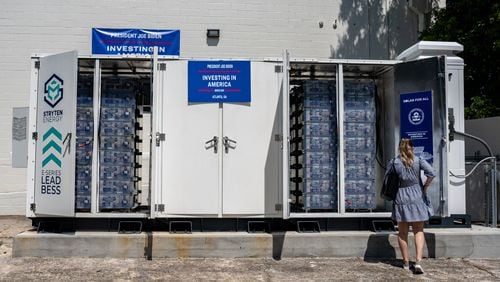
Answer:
(53, 90)
(52, 140)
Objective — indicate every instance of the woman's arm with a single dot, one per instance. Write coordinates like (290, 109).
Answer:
(429, 172)
(428, 182)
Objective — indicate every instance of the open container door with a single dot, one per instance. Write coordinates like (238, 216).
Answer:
(54, 137)
(285, 151)
(421, 88)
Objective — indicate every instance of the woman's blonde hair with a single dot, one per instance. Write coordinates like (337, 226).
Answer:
(406, 151)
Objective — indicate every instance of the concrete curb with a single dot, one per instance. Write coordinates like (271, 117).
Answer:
(78, 244)
(440, 243)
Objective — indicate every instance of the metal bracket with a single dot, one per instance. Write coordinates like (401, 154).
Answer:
(383, 225)
(162, 67)
(278, 137)
(33, 207)
(34, 135)
(160, 207)
(308, 227)
(278, 68)
(258, 227)
(159, 137)
(453, 221)
(130, 227)
(180, 226)
(37, 65)
(50, 227)
(451, 125)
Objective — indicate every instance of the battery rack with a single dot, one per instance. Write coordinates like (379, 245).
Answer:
(118, 139)
(359, 145)
(84, 143)
(313, 154)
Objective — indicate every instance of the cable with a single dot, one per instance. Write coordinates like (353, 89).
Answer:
(475, 138)
(493, 175)
(474, 168)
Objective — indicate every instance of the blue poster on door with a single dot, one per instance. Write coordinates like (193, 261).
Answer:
(219, 81)
(416, 122)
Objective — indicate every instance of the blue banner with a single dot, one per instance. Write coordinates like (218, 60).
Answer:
(416, 122)
(119, 41)
(219, 81)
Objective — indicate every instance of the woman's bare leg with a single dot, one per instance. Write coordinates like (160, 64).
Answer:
(418, 231)
(403, 241)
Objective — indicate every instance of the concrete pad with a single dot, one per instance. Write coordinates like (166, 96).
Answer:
(446, 243)
(79, 244)
(212, 244)
(477, 242)
(340, 244)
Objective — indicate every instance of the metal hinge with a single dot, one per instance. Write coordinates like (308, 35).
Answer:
(33, 207)
(160, 207)
(34, 135)
(37, 65)
(278, 137)
(162, 66)
(159, 137)
(278, 207)
(278, 68)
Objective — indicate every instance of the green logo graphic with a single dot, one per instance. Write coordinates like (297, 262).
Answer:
(52, 140)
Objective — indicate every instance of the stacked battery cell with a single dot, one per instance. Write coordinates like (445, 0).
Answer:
(117, 149)
(359, 140)
(319, 145)
(84, 145)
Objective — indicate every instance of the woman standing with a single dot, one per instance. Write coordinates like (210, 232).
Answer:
(409, 208)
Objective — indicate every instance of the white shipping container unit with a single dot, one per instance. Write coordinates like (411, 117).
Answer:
(116, 137)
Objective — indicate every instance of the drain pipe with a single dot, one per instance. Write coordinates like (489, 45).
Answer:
(493, 174)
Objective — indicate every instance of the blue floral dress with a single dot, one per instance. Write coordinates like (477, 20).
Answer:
(409, 205)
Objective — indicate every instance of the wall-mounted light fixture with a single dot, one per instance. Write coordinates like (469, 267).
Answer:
(213, 33)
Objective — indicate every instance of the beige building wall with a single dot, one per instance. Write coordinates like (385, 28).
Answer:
(249, 29)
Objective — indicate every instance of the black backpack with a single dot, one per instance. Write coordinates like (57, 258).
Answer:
(390, 185)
